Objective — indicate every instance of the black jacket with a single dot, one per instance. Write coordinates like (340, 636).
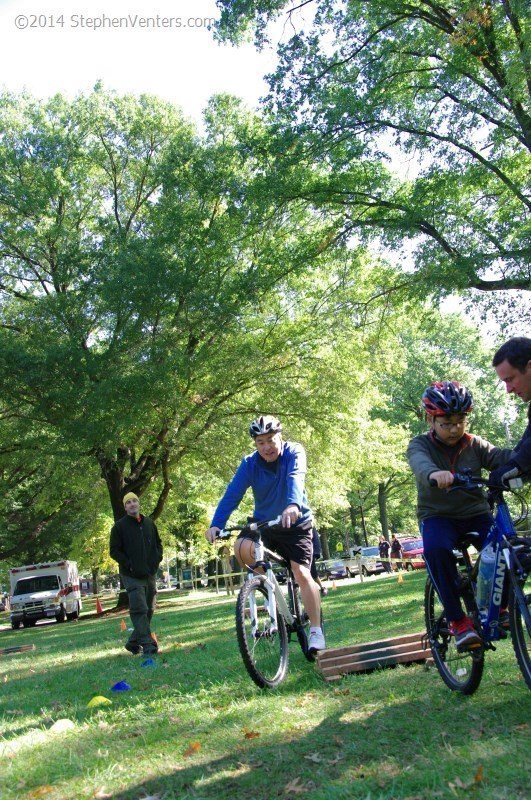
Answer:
(135, 544)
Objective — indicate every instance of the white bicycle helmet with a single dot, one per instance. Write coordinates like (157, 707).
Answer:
(264, 424)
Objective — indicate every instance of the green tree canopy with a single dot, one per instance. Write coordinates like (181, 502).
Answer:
(445, 84)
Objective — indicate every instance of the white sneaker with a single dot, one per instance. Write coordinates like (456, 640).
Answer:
(316, 642)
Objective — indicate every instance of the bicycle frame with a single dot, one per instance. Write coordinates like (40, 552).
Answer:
(506, 560)
(275, 594)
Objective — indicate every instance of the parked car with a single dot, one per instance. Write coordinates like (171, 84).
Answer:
(331, 570)
(412, 550)
(370, 562)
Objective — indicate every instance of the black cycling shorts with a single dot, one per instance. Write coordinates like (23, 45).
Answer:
(290, 543)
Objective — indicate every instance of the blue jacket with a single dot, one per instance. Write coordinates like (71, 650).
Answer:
(274, 485)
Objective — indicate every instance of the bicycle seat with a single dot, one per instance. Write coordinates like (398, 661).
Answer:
(471, 538)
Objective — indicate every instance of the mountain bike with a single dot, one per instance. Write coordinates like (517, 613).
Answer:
(462, 670)
(265, 619)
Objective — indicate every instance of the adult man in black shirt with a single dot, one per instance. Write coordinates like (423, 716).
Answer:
(135, 544)
(512, 363)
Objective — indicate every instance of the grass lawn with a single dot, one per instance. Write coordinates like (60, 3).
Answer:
(195, 726)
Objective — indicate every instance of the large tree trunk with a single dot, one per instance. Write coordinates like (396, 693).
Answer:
(325, 547)
(126, 473)
(382, 505)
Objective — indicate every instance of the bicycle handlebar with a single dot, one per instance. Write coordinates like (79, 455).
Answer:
(251, 526)
(465, 480)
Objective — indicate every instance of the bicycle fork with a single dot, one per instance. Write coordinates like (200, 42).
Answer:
(275, 598)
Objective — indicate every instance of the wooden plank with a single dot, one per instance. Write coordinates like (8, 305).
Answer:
(373, 655)
(363, 647)
(377, 662)
(7, 650)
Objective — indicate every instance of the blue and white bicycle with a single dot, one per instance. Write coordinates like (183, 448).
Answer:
(265, 617)
(462, 671)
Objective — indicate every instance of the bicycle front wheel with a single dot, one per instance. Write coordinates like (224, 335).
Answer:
(520, 636)
(264, 651)
(461, 672)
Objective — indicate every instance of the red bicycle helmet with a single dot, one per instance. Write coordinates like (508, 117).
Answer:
(442, 398)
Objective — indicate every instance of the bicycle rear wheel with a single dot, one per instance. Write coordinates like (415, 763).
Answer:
(302, 620)
(461, 672)
(519, 634)
(264, 652)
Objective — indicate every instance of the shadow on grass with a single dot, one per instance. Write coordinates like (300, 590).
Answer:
(389, 753)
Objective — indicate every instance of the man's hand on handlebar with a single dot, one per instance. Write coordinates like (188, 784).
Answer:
(443, 478)
(211, 534)
(500, 477)
(290, 515)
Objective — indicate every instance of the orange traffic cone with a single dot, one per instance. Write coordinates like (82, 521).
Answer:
(333, 584)
(99, 609)
(123, 626)
(400, 578)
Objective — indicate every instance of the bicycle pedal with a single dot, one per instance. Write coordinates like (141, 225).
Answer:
(469, 648)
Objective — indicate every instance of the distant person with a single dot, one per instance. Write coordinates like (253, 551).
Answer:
(384, 549)
(276, 474)
(396, 553)
(135, 544)
(512, 363)
(445, 518)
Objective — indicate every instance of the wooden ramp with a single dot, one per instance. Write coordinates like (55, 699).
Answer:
(5, 651)
(407, 649)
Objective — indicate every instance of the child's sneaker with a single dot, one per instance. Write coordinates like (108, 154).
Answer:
(466, 636)
(503, 619)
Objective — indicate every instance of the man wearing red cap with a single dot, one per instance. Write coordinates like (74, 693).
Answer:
(135, 544)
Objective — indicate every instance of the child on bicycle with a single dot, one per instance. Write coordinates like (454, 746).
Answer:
(275, 473)
(446, 517)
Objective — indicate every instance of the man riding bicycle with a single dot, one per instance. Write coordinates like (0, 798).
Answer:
(275, 473)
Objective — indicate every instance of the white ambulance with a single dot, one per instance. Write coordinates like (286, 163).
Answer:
(44, 591)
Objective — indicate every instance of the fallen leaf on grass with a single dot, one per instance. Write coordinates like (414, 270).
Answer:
(193, 748)
(101, 794)
(315, 757)
(295, 787)
(522, 727)
(251, 734)
(457, 783)
(40, 791)
(14, 711)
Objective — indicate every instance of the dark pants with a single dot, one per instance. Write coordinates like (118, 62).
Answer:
(142, 594)
(440, 536)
